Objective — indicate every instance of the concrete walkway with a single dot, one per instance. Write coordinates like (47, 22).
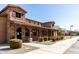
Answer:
(74, 49)
(57, 48)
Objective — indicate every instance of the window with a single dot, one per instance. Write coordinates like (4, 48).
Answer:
(38, 23)
(18, 15)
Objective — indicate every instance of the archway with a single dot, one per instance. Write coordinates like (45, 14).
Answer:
(19, 33)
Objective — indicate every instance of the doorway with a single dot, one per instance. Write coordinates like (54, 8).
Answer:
(19, 33)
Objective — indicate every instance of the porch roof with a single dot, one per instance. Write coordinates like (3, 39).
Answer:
(28, 24)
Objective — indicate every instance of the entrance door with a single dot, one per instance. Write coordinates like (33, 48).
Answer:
(19, 33)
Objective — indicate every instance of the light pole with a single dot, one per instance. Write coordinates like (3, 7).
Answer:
(71, 30)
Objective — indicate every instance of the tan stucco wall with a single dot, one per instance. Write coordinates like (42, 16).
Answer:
(2, 29)
(12, 31)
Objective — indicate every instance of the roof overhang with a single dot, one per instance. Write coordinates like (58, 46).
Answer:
(26, 24)
(12, 5)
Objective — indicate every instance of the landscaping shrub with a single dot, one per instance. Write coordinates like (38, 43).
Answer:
(62, 37)
(45, 39)
(57, 38)
(49, 38)
(15, 43)
(40, 40)
(53, 39)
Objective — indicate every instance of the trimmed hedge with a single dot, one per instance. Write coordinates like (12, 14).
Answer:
(45, 39)
(49, 38)
(57, 38)
(53, 39)
(40, 40)
(15, 43)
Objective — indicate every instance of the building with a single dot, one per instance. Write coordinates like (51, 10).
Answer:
(13, 24)
(71, 33)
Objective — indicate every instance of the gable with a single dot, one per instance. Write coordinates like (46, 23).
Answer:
(9, 8)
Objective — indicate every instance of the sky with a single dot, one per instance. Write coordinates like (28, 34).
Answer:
(64, 15)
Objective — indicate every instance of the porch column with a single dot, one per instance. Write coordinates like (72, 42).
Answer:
(40, 33)
(8, 30)
(37, 34)
(23, 34)
(54, 33)
(47, 34)
(15, 32)
(30, 35)
(51, 34)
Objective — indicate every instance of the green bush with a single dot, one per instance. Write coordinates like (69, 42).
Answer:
(62, 37)
(15, 43)
(49, 38)
(57, 38)
(40, 40)
(53, 39)
(45, 39)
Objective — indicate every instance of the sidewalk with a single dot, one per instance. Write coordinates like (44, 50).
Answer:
(58, 48)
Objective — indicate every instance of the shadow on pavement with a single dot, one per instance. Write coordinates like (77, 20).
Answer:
(6, 49)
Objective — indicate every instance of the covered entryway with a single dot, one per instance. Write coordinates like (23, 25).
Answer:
(19, 33)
